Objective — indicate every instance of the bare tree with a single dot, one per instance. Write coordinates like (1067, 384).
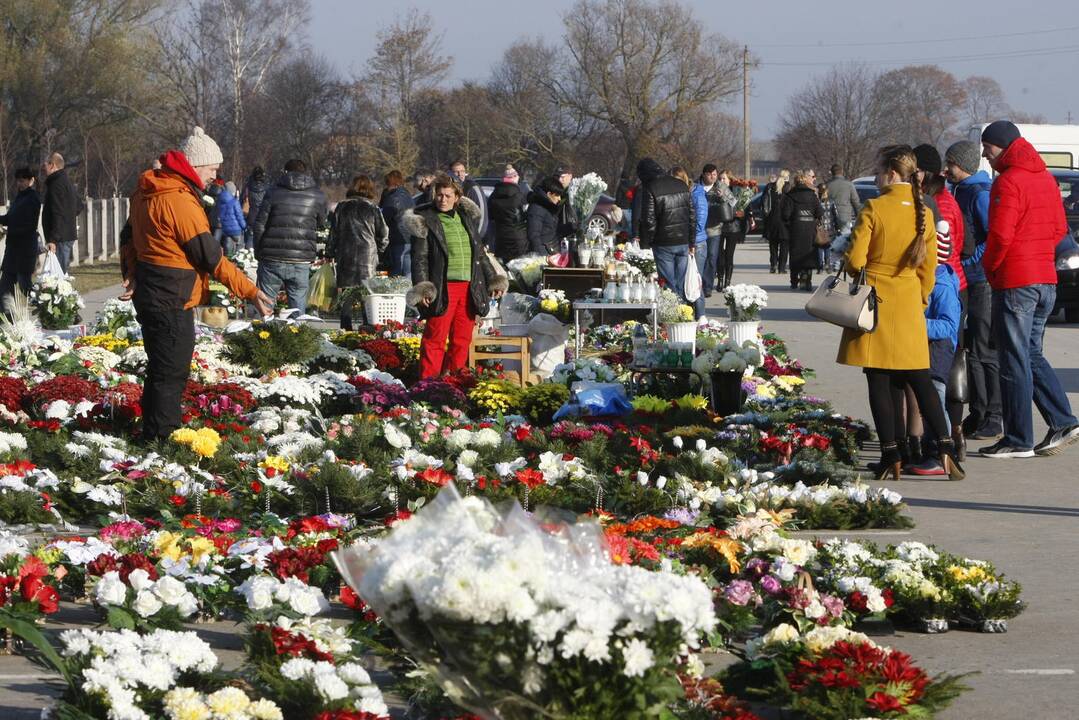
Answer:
(985, 99)
(922, 103)
(838, 117)
(1021, 116)
(640, 66)
(408, 59)
(255, 35)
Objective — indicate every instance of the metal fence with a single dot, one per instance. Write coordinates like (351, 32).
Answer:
(99, 226)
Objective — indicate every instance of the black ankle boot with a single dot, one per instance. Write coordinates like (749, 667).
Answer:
(949, 459)
(915, 444)
(889, 465)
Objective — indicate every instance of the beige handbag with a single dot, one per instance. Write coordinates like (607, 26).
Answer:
(846, 304)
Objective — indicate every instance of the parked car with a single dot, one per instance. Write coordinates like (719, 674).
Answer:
(1067, 255)
(866, 187)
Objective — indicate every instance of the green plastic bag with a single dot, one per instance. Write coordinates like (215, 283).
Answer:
(323, 288)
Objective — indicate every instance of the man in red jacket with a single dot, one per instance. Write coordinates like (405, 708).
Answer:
(1026, 221)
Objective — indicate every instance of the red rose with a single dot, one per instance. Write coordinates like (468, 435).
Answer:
(256, 487)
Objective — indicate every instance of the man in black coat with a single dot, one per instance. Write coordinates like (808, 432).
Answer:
(290, 219)
(251, 197)
(21, 248)
(668, 222)
(394, 202)
(61, 208)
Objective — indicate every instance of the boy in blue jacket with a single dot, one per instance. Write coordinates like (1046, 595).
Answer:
(942, 321)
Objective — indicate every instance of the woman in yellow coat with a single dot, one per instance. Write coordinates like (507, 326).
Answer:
(895, 242)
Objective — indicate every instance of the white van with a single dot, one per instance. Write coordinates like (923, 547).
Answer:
(1057, 144)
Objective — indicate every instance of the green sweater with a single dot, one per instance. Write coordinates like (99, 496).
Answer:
(458, 246)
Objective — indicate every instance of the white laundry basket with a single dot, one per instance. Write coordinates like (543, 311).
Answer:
(381, 309)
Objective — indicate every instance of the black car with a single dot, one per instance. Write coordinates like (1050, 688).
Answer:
(1067, 254)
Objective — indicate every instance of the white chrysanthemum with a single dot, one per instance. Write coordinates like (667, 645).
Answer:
(637, 657)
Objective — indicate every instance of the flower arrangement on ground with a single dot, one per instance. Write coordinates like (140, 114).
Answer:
(55, 301)
(267, 346)
(524, 637)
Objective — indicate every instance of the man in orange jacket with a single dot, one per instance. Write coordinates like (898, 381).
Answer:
(167, 259)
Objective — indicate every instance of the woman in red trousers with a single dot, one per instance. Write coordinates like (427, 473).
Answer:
(453, 280)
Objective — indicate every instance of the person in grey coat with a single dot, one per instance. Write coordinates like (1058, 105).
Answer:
(842, 193)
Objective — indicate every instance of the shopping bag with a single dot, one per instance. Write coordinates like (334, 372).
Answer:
(320, 295)
(692, 280)
(52, 265)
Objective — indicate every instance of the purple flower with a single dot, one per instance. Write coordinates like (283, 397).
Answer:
(739, 592)
(771, 585)
(682, 515)
(756, 567)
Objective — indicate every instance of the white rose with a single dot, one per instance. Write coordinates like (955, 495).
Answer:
(110, 589)
(146, 604)
(170, 590)
(782, 633)
(139, 579)
(309, 602)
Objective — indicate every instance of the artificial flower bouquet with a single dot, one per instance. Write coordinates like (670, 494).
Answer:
(584, 193)
(671, 308)
(269, 345)
(523, 619)
(745, 302)
(832, 673)
(55, 301)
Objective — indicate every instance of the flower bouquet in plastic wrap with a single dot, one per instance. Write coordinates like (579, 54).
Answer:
(519, 618)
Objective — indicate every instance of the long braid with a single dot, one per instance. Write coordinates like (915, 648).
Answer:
(917, 252)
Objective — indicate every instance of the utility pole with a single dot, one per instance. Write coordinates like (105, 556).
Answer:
(745, 109)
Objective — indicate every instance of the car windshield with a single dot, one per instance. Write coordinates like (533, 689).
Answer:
(1068, 182)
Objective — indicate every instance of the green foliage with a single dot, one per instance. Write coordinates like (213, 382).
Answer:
(266, 346)
(540, 402)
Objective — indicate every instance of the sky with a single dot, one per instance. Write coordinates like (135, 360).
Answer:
(1031, 48)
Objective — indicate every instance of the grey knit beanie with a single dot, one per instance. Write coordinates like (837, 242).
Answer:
(965, 155)
(201, 149)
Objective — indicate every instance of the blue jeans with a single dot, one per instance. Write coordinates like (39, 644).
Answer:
(63, 254)
(711, 265)
(295, 277)
(942, 392)
(671, 264)
(231, 243)
(1019, 317)
(401, 260)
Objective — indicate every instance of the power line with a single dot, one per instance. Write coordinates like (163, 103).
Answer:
(1062, 50)
(917, 42)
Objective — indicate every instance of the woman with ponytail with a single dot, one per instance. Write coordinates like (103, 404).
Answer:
(895, 242)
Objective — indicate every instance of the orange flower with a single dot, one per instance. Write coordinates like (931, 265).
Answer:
(724, 546)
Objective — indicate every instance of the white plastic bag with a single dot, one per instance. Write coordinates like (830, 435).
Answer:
(549, 336)
(52, 265)
(692, 280)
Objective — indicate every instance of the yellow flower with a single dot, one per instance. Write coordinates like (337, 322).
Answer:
(184, 436)
(168, 545)
(263, 334)
(972, 574)
(200, 547)
(293, 329)
(206, 442)
(279, 464)
(690, 401)
(685, 313)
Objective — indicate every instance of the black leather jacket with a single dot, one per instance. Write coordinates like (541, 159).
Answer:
(289, 218)
(359, 235)
(667, 214)
(430, 258)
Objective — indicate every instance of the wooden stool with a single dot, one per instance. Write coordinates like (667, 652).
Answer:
(522, 352)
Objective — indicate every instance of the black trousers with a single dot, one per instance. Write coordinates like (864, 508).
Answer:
(725, 259)
(983, 370)
(886, 402)
(777, 254)
(169, 338)
(955, 409)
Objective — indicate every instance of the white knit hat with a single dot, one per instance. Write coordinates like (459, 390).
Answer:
(201, 149)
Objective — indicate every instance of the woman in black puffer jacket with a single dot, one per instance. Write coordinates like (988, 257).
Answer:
(800, 210)
(360, 235)
(543, 217)
(506, 213)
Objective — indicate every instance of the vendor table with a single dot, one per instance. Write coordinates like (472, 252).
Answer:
(579, 305)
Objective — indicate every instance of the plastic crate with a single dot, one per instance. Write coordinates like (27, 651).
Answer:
(381, 309)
